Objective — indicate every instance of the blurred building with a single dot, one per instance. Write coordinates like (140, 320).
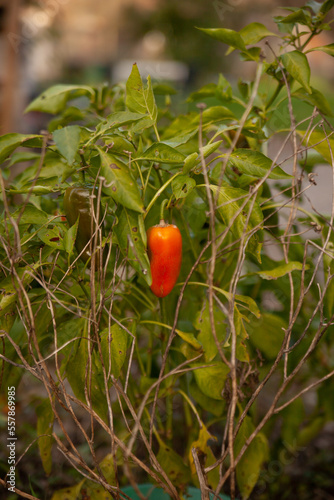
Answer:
(91, 41)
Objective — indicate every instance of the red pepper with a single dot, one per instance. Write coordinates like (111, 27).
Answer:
(164, 244)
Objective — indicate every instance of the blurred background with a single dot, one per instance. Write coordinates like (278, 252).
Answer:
(94, 41)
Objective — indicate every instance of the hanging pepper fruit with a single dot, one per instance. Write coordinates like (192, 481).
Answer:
(77, 204)
(164, 245)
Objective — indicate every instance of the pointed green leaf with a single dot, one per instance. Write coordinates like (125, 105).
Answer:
(68, 493)
(214, 406)
(319, 141)
(70, 237)
(76, 367)
(326, 6)
(205, 336)
(267, 334)
(208, 90)
(190, 339)
(297, 66)
(328, 49)
(256, 164)
(229, 203)
(182, 186)
(131, 242)
(45, 419)
(208, 149)
(254, 33)
(54, 99)
(139, 99)
(161, 153)
(119, 183)
(300, 16)
(31, 215)
(118, 119)
(230, 37)
(67, 140)
(173, 465)
(114, 343)
(9, 142)
(40, 187)
(250, 465)
(190, 162)
(315, 99)
(282, 270)
(211, 379)
(53, 237)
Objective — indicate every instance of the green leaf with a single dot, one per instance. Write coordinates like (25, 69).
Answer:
(163, 89)
(250, 465)
(31, 215)
(70, 237)
(204, 92)
(9, 142)
(214, 406)
(174, 142)
(131, 242)
(315, 99)
(54, 99)
(328, 49)
(190, 339)
(41, 186)
(9, 286)
(267, 334)
(119, 183)
(67, 140)
(114, 343)
(319, 141)
(53, 237)
(161, 153)
(254, 33)
(45, 419)
(229, 203)
(279, 271)
(138, 99)
(297, 66)
(214, 114)
(256, 164)
(118, 119)
(211, 379)
(182, 186)
(326, 6)
(77, 366)
(300, 16)
(69, 493)
(173, 465)
(205, 336)
(190, 162)
(230, 37)
(22, 156)
(293, 417)
(208, 149)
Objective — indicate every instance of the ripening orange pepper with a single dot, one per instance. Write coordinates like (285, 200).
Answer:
(164, 243)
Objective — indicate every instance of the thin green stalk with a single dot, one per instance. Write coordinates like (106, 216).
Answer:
(159, 192)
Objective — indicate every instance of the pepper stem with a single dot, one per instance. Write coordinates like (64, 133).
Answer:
(162, 208)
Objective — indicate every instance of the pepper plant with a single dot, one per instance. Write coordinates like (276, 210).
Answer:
(169, 386)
